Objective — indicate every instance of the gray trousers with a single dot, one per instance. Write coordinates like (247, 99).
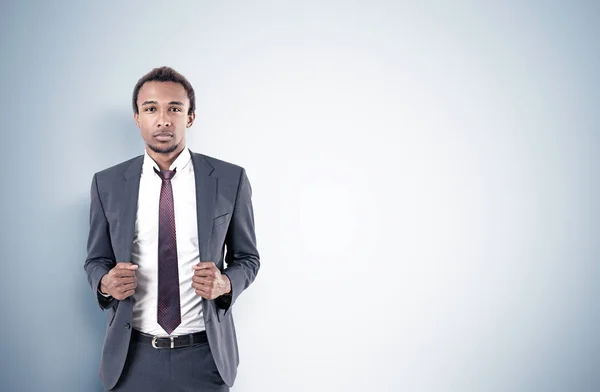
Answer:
(186, 369)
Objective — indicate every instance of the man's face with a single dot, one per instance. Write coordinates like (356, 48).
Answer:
(163, 115)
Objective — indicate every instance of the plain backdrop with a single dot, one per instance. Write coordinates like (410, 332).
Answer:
(425, 178)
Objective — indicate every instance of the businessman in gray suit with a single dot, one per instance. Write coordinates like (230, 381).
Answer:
(171, 247)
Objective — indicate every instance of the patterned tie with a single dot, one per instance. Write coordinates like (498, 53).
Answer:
(169, 310)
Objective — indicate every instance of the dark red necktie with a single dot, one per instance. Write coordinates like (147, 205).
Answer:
(169, 310)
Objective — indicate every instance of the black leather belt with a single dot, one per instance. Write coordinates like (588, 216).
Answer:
(169, 341)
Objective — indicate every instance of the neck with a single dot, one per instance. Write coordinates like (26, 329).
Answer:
(165, 160)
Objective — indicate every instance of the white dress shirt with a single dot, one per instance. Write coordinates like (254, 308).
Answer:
(145, 247)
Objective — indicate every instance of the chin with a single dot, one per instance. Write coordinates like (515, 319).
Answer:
(164, 149)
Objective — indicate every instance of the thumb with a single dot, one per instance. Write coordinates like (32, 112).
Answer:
(127, 265)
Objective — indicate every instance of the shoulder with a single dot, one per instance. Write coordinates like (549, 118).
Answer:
(232, 177)
(221, 168)
(120, 168)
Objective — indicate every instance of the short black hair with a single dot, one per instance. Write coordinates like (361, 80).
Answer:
(164, 74)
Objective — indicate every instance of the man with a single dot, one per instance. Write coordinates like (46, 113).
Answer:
(159, 226)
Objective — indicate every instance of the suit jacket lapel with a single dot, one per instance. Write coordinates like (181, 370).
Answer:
(206, 195)
(129, 200)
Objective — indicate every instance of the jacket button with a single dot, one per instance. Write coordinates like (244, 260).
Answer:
(127, 325)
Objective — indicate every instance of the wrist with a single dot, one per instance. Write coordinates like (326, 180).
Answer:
(227, 285)
(102, 288)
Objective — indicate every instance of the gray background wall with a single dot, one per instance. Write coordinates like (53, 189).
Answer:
(425, 181)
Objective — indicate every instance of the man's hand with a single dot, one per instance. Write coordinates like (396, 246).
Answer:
(120, 282)
(208, 281)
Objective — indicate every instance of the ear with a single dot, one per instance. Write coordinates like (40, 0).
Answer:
(191, 118)
(136, 117)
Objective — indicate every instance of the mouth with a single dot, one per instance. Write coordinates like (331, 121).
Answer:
(163, 136)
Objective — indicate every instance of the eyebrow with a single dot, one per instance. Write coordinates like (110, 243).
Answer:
(156, 103)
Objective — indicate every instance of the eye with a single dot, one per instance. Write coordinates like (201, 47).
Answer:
(176, 109)
(150, 109)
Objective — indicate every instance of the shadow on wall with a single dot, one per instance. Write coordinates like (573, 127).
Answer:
(93, 319)
(113, 138)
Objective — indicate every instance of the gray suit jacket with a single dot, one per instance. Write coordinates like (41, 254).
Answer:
(225, 219)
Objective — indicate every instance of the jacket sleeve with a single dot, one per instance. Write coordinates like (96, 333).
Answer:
(100, 257)
(242, 257)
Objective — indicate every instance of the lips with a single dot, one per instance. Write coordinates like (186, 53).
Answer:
(163, 136)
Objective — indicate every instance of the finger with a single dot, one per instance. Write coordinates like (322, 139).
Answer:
(119, 278)
(202, 279)
(128, 293)
(202, 292)
(204, 265)
(203, 286)
(126, 266)
(122, 283)
(206, 273)
(127, 287)
(126, 280)
(123, 273)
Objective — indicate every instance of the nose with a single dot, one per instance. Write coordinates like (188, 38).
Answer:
(164, 120)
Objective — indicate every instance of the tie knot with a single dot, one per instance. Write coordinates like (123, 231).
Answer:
(165, 174)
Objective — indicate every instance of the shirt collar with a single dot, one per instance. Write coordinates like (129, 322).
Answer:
(180, 162)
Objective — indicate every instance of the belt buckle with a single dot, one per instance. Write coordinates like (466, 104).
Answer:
(155, 338)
